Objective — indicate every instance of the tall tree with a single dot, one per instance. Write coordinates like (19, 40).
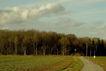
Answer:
(98, 48)
(16, 43)
(102, 48)
(44, 36)
(24, 44)
(35, 40)
(64, 41)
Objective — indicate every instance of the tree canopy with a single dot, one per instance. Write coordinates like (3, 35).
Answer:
(26, 42)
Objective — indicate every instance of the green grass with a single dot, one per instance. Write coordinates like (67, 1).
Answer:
(40, 63)
(76, 66)
(35, 63)
(61, 65)
(14, 63)
(99, 60)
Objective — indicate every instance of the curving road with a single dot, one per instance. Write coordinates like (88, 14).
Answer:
(90, 66)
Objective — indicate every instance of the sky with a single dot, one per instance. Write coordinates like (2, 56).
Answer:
(84, 18)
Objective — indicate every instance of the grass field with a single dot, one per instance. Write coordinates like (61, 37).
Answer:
(77, 65)
(11, 63)
(99, 60)
(38, 63)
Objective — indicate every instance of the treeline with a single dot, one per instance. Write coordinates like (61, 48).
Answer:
(33, 42)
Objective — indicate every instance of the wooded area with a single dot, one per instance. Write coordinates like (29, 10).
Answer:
(33, 42)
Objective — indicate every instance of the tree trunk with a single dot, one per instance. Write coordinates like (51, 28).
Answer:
(16, 42)
(15, 49)
(49, 51)
(63, 50)
(57, 51)
(25, 51)
(94, 52)
(7, 51)
(1, 51)
(43, 51)
(10, 48)
(36, 49)
(90, 52)
(100, 53)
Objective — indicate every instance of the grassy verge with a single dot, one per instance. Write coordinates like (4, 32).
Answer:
(99, 60)
(76, 66)
(35, 63)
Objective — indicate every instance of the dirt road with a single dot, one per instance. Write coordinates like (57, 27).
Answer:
(90, 66)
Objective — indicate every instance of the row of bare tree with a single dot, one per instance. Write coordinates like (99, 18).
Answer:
(33, 42)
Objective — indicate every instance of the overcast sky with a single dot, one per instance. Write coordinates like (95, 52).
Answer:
(84, 18)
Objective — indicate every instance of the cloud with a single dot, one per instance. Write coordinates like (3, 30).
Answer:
(102, 30)
(93, 12)
(66, 22)
(5, 28)
(20, 14)
(80, 2)
(93, 1)
(63, 1)
(99, 24)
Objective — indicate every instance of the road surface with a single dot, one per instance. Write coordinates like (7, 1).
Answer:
(90, 66)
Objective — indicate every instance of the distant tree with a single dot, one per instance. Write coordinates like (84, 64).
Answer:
(1, 46)
(10, 44)
(64, 41)
(24, 44)
(102, 48)
(98, 48)
(93, 48)
(71, 47)
(52, 43)
(45, 38)
(35, 40)
(1, 42)
(16, 43)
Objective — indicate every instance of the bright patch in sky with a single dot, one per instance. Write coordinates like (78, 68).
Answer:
(80, 17)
